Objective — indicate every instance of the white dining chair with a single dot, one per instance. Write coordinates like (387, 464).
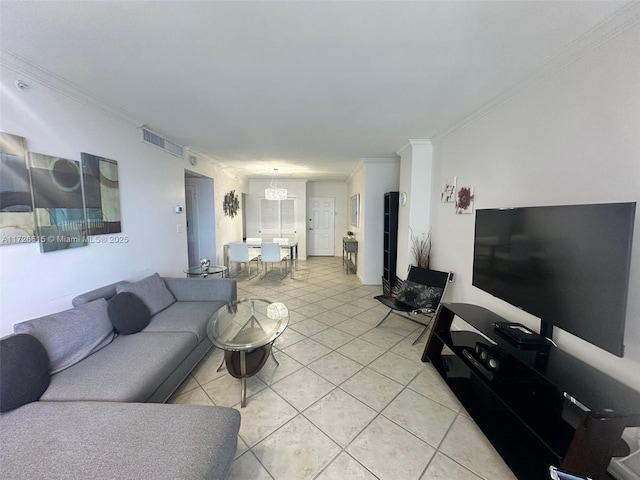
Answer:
(270, 252)
(239, 253)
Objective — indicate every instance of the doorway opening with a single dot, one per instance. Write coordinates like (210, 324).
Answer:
(201, 218)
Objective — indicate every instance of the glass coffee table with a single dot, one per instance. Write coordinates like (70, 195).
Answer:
(212, 270)
(246, 329)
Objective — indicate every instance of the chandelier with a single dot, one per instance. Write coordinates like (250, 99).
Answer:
(274, 192)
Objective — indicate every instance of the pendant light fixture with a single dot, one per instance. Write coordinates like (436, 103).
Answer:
(274, 192)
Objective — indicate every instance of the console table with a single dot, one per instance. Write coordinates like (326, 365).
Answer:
(350, 254)
(537, 405)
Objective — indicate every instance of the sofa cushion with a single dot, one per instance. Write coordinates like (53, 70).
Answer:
(24, 368)
(107, 440)
(105, 292)
(152, 291)
(185, 317)
(193, 290)
(72, 335)
(128, 313)
(130, 369)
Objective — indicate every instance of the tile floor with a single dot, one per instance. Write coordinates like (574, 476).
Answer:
(348, 401)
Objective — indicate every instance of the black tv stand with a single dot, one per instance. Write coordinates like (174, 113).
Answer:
(538, 405)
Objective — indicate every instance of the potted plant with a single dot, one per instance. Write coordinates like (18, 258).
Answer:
(421, 249)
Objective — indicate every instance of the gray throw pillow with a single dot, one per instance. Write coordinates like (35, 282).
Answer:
(417, 295)
(25, 371)
(72, 335)
(152, 291)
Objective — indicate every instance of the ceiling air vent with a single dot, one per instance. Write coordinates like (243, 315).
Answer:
(161, 142)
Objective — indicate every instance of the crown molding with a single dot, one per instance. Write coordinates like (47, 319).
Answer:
(414, 143)
(32, 71)
(380, 160)
(622, 20)
(363, 162)
(226, 168)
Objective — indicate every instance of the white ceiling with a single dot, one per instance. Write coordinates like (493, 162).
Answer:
(306, 87)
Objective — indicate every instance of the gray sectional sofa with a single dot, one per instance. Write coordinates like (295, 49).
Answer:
(80, 389)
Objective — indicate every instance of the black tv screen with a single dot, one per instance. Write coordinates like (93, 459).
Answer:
(568, 265)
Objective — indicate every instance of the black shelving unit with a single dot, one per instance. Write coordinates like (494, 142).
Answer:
(390, 238)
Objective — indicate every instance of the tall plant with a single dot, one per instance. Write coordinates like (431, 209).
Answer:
(421, 248)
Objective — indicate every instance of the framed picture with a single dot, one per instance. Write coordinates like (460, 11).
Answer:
(17, 223)
(101, 194)
(448, 194)
(58, 202)
(464, 200)
(355, 210)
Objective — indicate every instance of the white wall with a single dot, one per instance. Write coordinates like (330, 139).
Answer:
(572, 138)
(416, 163)
(372, 179)
(356, 184)
(337, 191)
(151, 184)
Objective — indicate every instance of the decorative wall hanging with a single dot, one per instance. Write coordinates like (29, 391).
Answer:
(17, 223)
(464, 200)
(231, 204)
(102, 194)
(449, 191)
(57, 200)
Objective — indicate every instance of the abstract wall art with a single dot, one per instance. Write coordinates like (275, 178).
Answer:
(17, 223)
(58, 203)
(101, 194)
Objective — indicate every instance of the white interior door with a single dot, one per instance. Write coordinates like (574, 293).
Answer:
(321, 226)
(200, 217)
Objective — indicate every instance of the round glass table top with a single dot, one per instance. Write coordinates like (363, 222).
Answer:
(247, 323)
(213, 269)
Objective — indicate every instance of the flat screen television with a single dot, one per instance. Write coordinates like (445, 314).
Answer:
(568, 265)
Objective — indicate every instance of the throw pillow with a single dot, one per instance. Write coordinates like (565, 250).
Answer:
(397, 287)
(24, 364)
(152, 291)
(417, 295)
(128, 313)
(71, 335)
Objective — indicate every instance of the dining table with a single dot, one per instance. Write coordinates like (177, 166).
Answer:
(291, 247)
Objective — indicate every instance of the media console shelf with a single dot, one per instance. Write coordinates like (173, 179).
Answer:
(538, 405)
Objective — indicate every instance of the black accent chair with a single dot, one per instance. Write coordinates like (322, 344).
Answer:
(422, 276)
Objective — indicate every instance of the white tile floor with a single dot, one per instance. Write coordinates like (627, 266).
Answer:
(348, 401)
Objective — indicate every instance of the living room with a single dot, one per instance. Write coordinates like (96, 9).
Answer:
(567, 134)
